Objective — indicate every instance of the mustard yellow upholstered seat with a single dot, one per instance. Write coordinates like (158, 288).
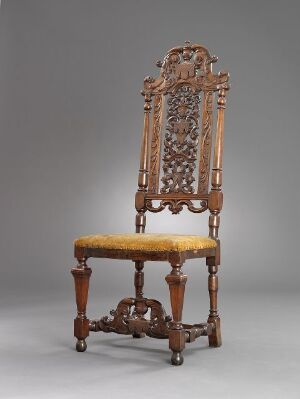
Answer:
(146, 242)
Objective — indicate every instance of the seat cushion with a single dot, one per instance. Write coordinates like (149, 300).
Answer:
(145, 242)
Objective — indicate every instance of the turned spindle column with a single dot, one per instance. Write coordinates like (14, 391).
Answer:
(214, 339)
(81, 274)
(140, 220)
(144, 160)
(176, 281)
(215, 202)
(140, 308)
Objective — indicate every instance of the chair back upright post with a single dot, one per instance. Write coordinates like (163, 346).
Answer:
(143, 178)
(140, 220)
(215, 198)
(215, 201)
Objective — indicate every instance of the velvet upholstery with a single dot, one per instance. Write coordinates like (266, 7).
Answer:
(146, 242)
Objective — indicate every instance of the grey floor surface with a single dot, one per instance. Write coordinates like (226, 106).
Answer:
(260, 356)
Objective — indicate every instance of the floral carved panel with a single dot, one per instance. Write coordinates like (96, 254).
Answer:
(155, 144)
(205, 142)
(181, 141)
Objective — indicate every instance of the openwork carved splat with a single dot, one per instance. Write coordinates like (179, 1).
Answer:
(181, 141)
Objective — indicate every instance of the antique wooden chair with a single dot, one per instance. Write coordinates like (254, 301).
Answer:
(185, 82)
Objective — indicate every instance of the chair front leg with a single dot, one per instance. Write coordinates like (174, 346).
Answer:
(81, 275)
(176, 281)
(214, 339)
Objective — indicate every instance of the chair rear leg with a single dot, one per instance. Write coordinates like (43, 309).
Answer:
(81, 274)
(176, 281)
(140, 308)
(214, 339)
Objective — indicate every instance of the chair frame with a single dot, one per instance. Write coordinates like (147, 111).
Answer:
(186, 66)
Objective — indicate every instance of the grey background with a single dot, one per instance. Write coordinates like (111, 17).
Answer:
(70, 123)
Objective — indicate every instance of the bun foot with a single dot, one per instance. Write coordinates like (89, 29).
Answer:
(177, 359)
(138, 335)
(81, 345)
(215, 339)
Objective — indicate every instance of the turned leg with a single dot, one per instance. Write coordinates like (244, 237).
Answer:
(176, 281)
(215, 338)
(81, 275)
(140, 308)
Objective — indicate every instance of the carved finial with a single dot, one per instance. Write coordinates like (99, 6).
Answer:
(212, 60)
(82, 263)
(149, 79)
(147, 105)
(187, 51)
(222, 99)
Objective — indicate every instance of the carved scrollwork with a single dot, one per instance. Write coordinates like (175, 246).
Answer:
(185, 78)
(181, 141)
(205, 147)
(159, 320)
(176, 205)
(183, 65)
(126, 321)
(190, 63)
(119, 321)
(155, 144)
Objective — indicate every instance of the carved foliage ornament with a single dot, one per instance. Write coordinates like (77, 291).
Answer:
(185, 73)
(205, 149)
(176, 205)
(190, 63)
(125, 321)
(181, 141)
(155, 144)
